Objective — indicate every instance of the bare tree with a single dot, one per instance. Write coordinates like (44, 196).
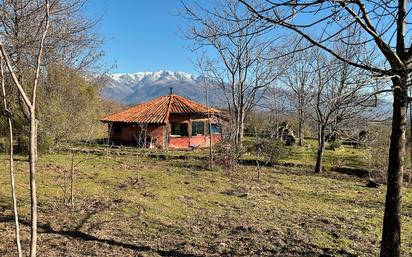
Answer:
(31, 105)
(340, 94)
(268, 149)
(277, 101)
(71, 40)
(8, 114)
(299, 78)
(381, 26)
(241, 69)
(203, 64)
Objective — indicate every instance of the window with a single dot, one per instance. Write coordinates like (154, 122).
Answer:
(179, 129)
(198, 128)
(117, 128)
(216, 129)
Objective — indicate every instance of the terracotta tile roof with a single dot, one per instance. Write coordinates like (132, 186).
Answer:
(159, 109)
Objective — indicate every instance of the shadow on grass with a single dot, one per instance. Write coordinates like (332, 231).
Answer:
(196, 166)
(75, 234)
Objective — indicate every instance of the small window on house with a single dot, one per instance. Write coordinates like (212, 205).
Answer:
(179, 129)
(117, 128)
(198, 128)
(216, 129)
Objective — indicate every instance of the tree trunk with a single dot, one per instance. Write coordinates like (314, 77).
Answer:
(391, 231)
(36, 155)
(241, 129)
(236, 134)
(321, 149)
(240, 126)
(11, 162)
(13, 190)
(301, 128)
(33, 195)
(277, 124)
(72, 181)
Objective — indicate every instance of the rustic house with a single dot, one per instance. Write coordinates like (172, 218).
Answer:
(169, 121)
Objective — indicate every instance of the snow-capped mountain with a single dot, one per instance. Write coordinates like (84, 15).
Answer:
(132, 88)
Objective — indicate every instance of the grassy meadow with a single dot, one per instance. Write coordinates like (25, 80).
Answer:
(137, 205)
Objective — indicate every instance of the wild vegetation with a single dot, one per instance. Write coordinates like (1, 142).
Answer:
(128, 205)
(262, 191)
(367, 38)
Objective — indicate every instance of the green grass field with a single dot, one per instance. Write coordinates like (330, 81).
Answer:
(345, 156)
(137, 206)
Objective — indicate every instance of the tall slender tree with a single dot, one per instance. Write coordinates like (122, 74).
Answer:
(299, 78)
(340, 94)
(8, 114)
(30, 103)
(240, 68)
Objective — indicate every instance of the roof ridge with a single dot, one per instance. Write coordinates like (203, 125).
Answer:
(135, 106)
(168, 107)
(187, 101)
(158, 110)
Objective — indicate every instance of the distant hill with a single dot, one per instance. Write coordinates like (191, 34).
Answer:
(132, 88)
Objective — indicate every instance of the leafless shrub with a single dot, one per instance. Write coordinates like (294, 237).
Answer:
(376, 143)
(268, 150)
(143, 138)
(227, 155)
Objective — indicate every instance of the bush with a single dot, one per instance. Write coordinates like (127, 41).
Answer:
(22, 146)
(270, 149)
(45, 144)
(227, 156)
(376, 146)
(334, 145)
(4, 145)
(290, 140)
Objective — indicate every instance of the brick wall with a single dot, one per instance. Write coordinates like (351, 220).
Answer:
(176, 142)
(129, 133)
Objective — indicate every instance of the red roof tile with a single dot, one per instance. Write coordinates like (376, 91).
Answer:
(158, 110)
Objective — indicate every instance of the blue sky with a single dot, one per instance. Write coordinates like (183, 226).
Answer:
(142, 35)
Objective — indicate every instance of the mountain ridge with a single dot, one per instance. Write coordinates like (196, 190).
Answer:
(133, 88)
